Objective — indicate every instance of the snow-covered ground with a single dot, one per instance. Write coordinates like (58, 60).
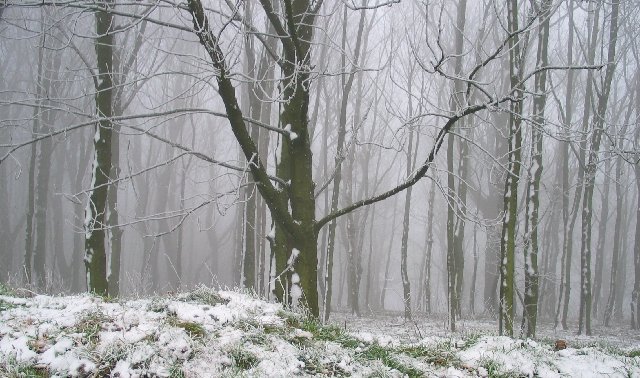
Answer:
(210, 333)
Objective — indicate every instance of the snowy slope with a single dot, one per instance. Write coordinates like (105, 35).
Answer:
(209, 333)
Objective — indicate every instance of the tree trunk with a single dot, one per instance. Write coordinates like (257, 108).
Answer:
(95, 220)
(31, 197)
(531, 277)
(510, 218)
(569, 217)
(590, 173)
(385, 282)
(455, 222)
(618, 262)
(113, 212)
(474, 275)
(425, 271)
(406, 284)
(635, 295)
(340, 156)
(602, 239)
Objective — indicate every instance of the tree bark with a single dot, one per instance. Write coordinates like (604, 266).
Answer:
(590, 173)
(531, 276)
(510, 218)
(570, 216)
(95, 213)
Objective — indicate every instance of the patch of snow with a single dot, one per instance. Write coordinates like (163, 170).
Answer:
(243, 335)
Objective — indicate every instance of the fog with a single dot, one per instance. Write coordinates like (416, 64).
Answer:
(457, 158)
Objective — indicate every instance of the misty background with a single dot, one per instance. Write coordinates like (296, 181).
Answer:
(383, 79)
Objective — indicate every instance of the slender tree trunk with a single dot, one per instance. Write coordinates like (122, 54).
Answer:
(602, 239)
(95, 213)
(570, 217)
(455, 222)
(43, 167)
(635, 295)
(385, 282)
(510, 218)
(590, 173)
(340, 155)
(406, 284)
(31, 197)
(425, 271)
(615, 260)
(531, 277)
(614, 301)
(113, 212)
(474, 275)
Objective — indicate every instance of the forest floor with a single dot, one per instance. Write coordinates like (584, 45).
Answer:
(211, 333)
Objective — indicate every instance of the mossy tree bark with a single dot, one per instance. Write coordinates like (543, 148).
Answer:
(95, 213)
(531, 274)
(510, 217)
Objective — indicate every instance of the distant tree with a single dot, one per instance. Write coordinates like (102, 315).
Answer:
(590, 173)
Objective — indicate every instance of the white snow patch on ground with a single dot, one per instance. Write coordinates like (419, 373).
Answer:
(210, 333)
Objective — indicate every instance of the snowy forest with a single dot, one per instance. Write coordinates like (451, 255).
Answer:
(457, 159)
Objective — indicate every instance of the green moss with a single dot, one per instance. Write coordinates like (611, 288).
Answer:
(633, 353)
(193, 329)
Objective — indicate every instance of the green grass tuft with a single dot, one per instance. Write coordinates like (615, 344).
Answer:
(14, 369)
(496, 370)
(193, 329)
(6, 290)
(387, 357)
(439, 355)
(243, 359)
(175, 371)
(90, 324)
(633, 353)
(4, 305)
(204, 295)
